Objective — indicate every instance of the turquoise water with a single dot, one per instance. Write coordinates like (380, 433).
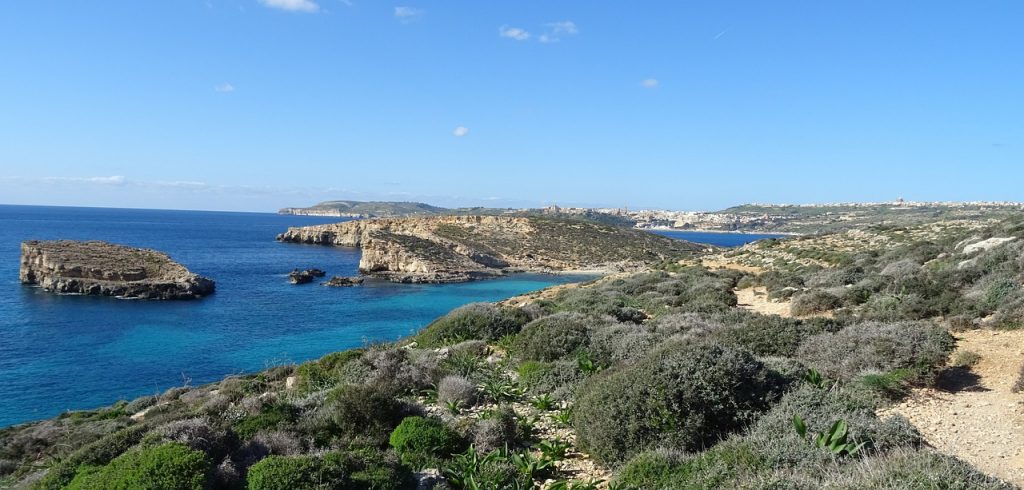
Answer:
(76, 352)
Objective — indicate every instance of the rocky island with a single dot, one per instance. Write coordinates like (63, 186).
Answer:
(461, 248)
(106, 269)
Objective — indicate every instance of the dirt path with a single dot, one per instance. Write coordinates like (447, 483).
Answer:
(756, 299)
(973, 414)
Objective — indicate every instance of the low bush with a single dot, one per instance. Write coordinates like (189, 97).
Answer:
(197, 433)
(910, 468)
(98, 453)
(270, 417)
(554, 337)
(296, 473)
(326, 372)
(456, 389)
(875, 347)
(682, 396)
(172, 466)
(496, 429)
(360, 410)
(373, 469)
(477, 321)
(420, 441)
(400, 371)
(814, 301)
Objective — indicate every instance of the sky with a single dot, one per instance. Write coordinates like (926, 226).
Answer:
(259, 104)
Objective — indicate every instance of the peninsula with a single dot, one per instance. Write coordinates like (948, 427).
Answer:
(106, 269)
(462, 248)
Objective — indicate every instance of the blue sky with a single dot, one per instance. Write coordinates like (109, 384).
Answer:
(255, 105)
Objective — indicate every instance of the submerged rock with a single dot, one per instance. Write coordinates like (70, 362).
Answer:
(302, 277)
(107, 269)
(340, 281)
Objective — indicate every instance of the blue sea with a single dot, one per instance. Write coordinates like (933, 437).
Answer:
(720, 239)
(77, 352)
(62, 353)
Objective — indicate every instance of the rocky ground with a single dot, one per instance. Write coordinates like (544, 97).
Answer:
(973, 413)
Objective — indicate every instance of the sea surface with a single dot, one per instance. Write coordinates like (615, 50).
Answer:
(77, 352)
(719, 239)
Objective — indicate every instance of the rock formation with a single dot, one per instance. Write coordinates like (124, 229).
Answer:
(340, 281)
(297, 276)
(462, 248)
(105, 269)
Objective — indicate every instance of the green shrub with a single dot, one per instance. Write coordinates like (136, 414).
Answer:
(875, 347)
(477, 321)
(420, 441)
(98, 453)
(373, 469)
(296, 473)
(767, 335)
(814, 301)
(683, 396)
(271, 417)
(325, 372)
(169, 466)
(363, 410)
(730, 464)
(554, 337)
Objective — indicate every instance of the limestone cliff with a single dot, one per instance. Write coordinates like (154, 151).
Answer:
(461, 248)
(105, 269)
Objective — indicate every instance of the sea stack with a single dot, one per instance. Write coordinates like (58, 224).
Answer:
(106, 269)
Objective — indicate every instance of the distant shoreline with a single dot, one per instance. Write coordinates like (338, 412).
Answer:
(729, 232)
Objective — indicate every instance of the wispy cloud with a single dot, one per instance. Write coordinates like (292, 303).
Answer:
(460, 131)
(111, 180)
(407, 14)
(649, 83)
(224, 88)
(514, 33)
(555, 31)
(722, 33)
(307, 6)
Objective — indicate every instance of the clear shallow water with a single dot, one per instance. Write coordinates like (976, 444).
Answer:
(717, 238)
(77, 352)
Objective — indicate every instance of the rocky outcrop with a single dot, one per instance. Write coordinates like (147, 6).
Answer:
(341, 281)
(297, 276)
(105, 269)
(462, 248)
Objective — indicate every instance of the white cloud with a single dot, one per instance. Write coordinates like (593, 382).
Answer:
(649, 83)
(460, 131)
(224, 88)
(308, 6)
(555, 31)
(407, 14)
(513, 33)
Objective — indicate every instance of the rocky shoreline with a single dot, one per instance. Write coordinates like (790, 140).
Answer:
(445, 249)
(98, 268)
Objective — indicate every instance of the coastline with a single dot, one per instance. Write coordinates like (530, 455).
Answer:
(724, 232)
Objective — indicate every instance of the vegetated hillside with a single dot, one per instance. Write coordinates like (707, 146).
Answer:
(834, 218)
(651, 380)
(460, 248)
(370, 209)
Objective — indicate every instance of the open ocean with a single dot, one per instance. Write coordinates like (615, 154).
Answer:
(77, 352)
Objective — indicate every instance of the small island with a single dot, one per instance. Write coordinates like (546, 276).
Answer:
(105, 269)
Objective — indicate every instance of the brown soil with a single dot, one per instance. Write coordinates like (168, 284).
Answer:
(973, 414)
(756, 299)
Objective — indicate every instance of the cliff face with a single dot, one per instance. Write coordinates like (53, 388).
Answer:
(461, 248)
(106, 269)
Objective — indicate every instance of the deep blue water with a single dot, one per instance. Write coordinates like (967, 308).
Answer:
(77, 352)
(717, 238)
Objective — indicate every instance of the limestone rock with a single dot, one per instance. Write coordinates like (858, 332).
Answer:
(297, 276)
(106, 269)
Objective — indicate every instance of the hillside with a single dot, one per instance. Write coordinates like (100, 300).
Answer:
(460, 248)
